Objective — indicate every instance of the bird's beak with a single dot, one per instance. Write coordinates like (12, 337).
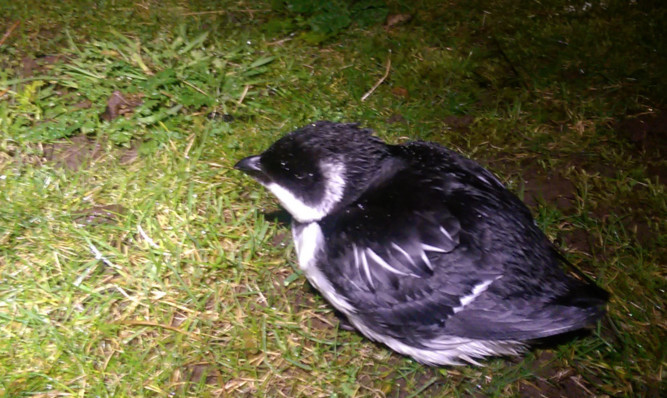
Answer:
(249, 164)
(252, 167)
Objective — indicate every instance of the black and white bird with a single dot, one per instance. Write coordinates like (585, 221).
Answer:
(419, 247)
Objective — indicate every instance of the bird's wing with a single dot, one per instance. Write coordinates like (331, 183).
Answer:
(400, 253)
(451, 252)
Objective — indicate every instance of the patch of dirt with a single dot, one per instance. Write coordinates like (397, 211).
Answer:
(85, 104)
(33, 66)
(648, 133)
(635, 220)
(640, 230)
(77, 151)
(554, 381)
(120, 104)
(579, 240)
(302, 298)
(198, 372)
(397, 20)
(281, 239)
(399, 387)
(322, 322)
(547, 187)
(396, 118)
(74, 152)
(98, 215)
(400, 92)
(128, 155)
(459, 123)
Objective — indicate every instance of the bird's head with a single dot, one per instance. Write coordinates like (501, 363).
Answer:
(317, 168)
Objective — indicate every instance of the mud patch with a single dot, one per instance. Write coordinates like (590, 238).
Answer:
(400, 92)
(120, 104)
(33, 66)
(547, 187)
(322, 321)
(554, 381)
(648, 134)
(78, 151)
(281, 239)
(73, 153)
(199, 373)
(127, 155)
(579, 240)
(648, 131)
(98, 215)
(397, 20)
(640, 230)
(85, 104)
(459, 123)
(426, 380)
(635, 220)
(396, 118)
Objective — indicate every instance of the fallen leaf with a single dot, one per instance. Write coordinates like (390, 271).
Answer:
(400, 92)
(397, 19)
(119, 104)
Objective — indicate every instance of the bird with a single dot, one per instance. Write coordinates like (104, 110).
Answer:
(420, 248)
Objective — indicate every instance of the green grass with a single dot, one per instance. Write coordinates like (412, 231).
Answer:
(154, 269)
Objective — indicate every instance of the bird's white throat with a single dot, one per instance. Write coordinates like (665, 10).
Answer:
(334, 186)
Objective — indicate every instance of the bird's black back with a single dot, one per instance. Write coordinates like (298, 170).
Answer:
(490, 236)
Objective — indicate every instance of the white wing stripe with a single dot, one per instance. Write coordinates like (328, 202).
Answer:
(427, 261)
(444, 231)
(476, 291)
(364, 264)
(433, 248)
(403, 252)
(384, 264)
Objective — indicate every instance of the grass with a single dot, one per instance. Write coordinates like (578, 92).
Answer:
(135, 262)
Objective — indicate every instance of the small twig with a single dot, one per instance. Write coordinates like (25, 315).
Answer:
(187, 83)
(84, 275)
(147, 238)
(9, 32)
(191, 140)
(245, 92)
(279, 42)
(386, 73)
(127, 296)
(99, 256)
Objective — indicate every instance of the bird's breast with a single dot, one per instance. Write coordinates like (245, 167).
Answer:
(309, 244)
(308, 241)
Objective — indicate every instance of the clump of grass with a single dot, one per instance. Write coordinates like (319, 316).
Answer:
(149, 267)
(166, 75)
(322, 20)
